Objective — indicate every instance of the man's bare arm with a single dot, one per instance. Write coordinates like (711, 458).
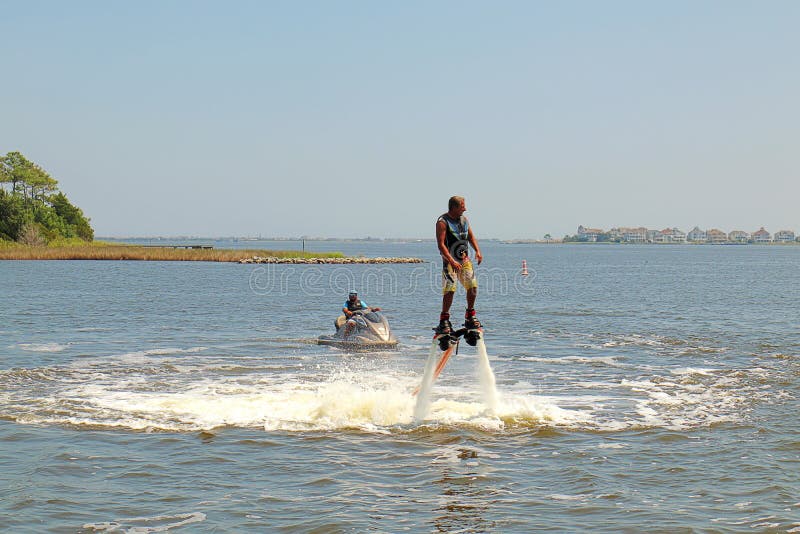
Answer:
(474, 242)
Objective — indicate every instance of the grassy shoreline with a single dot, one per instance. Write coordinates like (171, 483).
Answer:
(72, 250)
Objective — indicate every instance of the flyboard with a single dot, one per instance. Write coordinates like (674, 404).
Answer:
(442, 348)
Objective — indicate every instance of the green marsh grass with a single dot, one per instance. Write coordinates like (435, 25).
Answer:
(98, 250)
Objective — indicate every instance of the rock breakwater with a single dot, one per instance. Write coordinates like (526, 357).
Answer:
(337, 261)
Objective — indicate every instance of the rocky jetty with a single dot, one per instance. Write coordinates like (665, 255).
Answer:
(338, 261)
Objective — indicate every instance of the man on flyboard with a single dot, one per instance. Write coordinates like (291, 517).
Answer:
(454, 235)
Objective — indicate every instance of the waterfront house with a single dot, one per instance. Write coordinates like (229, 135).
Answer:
(715, 236)
(634, 235)
(661, 236)
(669, 235)
(589, 234)
(738, 236)
(678, 236)
(696, 235)
(761, 236)
(784, 236)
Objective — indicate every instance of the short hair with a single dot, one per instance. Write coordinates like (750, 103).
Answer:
(454, 202)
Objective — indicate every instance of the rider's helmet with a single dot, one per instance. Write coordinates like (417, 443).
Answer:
(353, 295)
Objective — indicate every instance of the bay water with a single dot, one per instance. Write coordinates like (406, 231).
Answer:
(635, 388)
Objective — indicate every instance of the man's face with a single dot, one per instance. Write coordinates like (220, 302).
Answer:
(461, 208)
(353, 298)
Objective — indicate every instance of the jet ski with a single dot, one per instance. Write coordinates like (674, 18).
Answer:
(371, 332)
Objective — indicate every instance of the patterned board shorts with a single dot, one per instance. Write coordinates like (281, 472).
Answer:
(465, 275)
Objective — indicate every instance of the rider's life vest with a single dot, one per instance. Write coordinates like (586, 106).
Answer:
(456, 234)
(354, 306)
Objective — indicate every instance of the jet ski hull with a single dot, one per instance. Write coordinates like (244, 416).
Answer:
(358, 346)
(371, 333)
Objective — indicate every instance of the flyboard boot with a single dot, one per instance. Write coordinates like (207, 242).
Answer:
(473, 327)
(443, 332)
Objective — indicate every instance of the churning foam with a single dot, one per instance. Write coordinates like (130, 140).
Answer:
(151, 390)
(302, 407)
(372, 401)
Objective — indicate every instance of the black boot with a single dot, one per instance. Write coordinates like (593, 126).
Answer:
(471, 322)
(444, 328)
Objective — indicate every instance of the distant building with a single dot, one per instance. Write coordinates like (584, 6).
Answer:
(634, 235)
(673, 235)
(696, 235)
(589, 234)
(669, 235)
(660, 236)
(678, 236)
(716, 236)
(738, 236)
(761, 236)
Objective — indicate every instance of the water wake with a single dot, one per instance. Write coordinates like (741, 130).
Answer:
(142, 525)
(42, 347)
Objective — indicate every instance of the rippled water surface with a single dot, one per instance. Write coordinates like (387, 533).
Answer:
(637, 388)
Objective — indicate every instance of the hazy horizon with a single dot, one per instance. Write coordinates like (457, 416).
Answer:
(355, 119)
(379, 238)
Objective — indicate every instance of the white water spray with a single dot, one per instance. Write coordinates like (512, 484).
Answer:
(486, 378)
(424, 396)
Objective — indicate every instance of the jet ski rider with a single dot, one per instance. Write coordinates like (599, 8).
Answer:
(351, 306)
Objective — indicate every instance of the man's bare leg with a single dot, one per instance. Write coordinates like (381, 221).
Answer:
(470, 320)
(447, 301)
(472, 294)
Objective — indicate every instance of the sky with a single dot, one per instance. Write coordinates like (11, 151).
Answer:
(361, 118)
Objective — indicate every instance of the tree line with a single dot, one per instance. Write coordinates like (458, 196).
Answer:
(32, 209)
